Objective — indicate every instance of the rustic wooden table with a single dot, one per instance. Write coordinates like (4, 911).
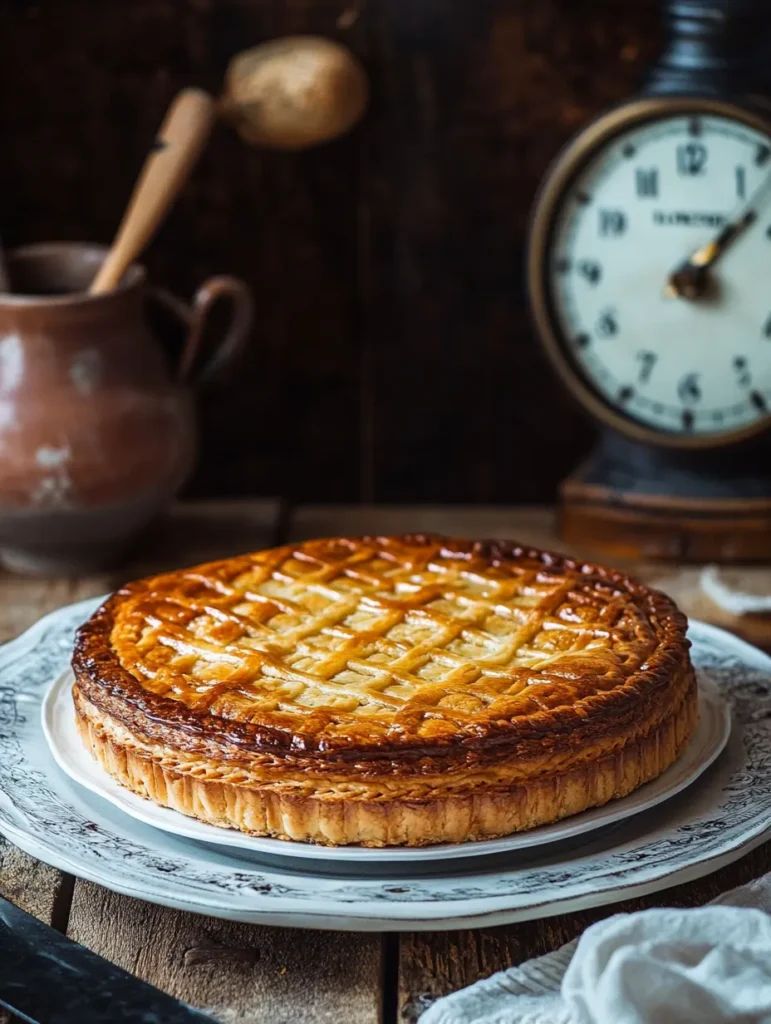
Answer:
(243, 973)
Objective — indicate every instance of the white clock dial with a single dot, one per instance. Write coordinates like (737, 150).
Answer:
(641, 206)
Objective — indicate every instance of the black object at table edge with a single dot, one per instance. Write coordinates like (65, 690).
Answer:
(46, 978)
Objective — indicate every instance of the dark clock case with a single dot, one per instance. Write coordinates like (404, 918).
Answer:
(636, 498)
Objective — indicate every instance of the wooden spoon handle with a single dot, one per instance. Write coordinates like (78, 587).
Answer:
(179, 142)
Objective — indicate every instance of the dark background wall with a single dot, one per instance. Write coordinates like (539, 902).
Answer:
(392, 357)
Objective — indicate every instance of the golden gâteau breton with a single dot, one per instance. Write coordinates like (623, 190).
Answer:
(385, 690)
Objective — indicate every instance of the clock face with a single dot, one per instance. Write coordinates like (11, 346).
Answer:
(683, 349)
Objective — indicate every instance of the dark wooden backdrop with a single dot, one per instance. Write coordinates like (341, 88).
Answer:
(392, 357)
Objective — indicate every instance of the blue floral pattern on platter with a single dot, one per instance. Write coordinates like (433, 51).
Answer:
(722, 815)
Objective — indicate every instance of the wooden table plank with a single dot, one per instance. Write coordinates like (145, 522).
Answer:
(240, 974)
(533, 524)
(201, 531)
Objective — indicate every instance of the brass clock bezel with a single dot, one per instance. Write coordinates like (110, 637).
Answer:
(547, 204)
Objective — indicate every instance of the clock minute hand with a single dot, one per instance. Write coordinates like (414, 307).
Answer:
(689, 280)
(709, 253)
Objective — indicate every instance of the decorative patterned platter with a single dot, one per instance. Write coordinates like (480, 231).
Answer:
(58, 721)
(723, 814)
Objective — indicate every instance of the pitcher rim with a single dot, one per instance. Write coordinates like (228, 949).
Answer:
(134, 277)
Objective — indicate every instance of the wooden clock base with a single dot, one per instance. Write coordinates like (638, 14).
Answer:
(630, 502)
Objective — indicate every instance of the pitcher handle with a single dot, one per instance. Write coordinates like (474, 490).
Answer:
(210, 292)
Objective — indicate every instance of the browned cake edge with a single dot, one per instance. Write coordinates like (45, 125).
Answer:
(333, 816)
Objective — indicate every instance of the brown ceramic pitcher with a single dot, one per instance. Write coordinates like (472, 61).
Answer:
(96, 425)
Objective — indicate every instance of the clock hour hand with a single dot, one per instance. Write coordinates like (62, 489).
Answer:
(691, 279)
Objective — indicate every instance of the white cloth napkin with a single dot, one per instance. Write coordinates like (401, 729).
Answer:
(698, 966)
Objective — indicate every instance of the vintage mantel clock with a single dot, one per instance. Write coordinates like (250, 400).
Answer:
(650, 285)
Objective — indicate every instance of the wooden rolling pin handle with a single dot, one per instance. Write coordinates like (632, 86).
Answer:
(179, 142)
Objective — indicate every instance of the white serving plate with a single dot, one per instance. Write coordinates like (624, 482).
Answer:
(723, 814)
(58, 721)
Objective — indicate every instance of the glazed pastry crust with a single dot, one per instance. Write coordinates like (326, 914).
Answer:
(385, 691)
